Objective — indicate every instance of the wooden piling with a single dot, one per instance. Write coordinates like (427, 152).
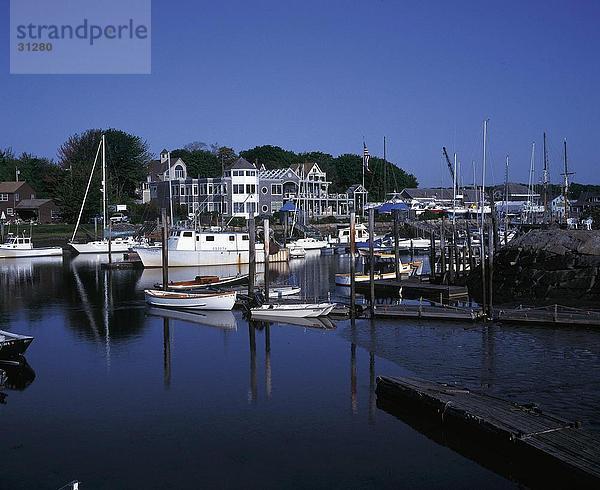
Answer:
(492, 243)
(352, 265)
(109, 241)
(372, 258)
(431, 257)
(251, 255)
(443, 250)
(396, 243)
(165, 250)
(267, 282)
(469, 248)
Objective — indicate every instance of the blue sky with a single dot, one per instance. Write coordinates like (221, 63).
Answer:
(320, 75)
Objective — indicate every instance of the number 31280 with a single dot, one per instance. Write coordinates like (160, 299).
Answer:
(34, 47)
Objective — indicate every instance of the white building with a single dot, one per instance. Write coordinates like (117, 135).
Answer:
(241, 178)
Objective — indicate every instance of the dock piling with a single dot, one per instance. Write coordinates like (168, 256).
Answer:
(165, 250)
(266, 233)
(372, 258)
(396, 244)
(251, 255)
(352, 265)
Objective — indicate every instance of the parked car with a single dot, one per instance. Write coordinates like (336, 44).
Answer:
(119, 218)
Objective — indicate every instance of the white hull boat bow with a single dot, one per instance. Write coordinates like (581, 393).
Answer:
(309, 244)
(118, 245)
(197, 301)
(308, 310)
(22, 247)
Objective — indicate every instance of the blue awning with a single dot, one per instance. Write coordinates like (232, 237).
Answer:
(289, 207)
(388, 207)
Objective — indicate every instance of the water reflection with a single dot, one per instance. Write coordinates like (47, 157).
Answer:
(15, 375)
(219, 319)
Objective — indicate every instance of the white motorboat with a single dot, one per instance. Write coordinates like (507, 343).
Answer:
(297, 253)
(196, 301)
(21, 246)
(202, 248)
(309, 243)
(279, 291)
(361, 235)
(301, 310)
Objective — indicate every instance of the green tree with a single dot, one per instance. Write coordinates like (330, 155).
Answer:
(200, 163)
(270, 156)
(226, 155)
(126, 161)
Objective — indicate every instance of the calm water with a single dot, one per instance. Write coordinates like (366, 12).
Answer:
(126, 397)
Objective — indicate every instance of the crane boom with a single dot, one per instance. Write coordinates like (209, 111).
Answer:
(448, 162)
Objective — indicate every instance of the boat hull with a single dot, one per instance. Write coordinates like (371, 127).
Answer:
(12, 345)
(152, 257)
(195, 301)
(296, 311)
(101, 246)
(7, 253)
(344, 279)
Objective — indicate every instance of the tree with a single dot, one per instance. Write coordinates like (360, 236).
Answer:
(270, 156)
(226, 155)
(200, 163)
(201, 146)
(126, 161)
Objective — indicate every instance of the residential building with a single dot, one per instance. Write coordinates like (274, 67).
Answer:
(160, 171)
(587, 201)
(41, 210)
(11, 194)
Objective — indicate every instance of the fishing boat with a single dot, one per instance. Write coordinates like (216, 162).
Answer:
(13, 345)
(279, 291)
(21, 246)
(189, 248)
(301, 310)
(361, 235)
(297, 253)
(309, 243)
(196, 301)
(203, 282)
(117, 244)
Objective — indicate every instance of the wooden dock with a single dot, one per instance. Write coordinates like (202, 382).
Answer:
(522, 441)
(549, 315)
(428, 312)
(412, 288)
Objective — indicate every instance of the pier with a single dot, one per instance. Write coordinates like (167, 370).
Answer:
(542, 448)
(411, 288)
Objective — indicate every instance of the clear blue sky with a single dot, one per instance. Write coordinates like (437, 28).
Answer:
(320, 75)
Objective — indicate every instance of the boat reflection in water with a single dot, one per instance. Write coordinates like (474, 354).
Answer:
(220, 319)
(15, 374)
(321, 322)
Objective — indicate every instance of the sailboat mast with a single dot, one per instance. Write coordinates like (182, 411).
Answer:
(566, 186)
(384, 172)
(545, 177)
(530, 186)
(454, 192)
(104, 217)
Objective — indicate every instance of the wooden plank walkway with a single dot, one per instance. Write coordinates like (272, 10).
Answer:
(412, 288)
(555, 314)
(548, 442)
(428, 312)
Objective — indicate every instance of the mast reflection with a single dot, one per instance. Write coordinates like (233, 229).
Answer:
(166, 353)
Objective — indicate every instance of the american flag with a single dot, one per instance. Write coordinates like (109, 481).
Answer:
(366, 157)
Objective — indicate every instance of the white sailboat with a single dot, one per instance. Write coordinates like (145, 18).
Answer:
(118, 245)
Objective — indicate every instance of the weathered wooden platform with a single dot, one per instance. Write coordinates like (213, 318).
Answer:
(539, 447)
(555, 314)
(412, 288)
(428, 312)
(122, 265)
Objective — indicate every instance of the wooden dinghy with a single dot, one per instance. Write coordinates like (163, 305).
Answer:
(279, 291)
(202, 282)
(302, 310)
(196, 301)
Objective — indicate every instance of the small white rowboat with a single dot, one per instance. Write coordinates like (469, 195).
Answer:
(196, 301)
(278, 291)
(307, 310)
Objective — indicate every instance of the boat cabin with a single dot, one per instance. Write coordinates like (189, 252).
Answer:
(17, 242)
(209, 241)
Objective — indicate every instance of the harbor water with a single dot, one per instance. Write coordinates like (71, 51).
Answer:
(120, 395)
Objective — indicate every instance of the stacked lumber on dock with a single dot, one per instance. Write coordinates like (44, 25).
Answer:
(525, 443)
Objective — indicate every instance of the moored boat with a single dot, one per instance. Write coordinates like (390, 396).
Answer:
(297, 253)
(203, 282)
(196, 301)
(279, 291)
(22, 246)
(309, 243)
(13, 345)
(405, 270)
(301, 310)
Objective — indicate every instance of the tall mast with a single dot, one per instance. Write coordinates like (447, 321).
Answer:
(545, 176)
(170, 188)
(506, 188)
(454, 192)
(531, 180)
(566, 183)
(483, 176)
(104, 222)
(384, 172)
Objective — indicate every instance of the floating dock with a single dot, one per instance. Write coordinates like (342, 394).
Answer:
(536, 447)
(428, 312)
(553, 315)
(413, 288)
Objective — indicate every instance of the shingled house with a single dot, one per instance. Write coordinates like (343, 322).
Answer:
(11, 194)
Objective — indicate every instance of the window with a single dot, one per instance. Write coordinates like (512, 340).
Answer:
(9, 211)
(237, 173)
(175, 190)
(264, 190)
(276, 189)
(238, 188)
(265, 208)
(194, 189)
(17, 196)
(250, 173)
(232, 238)
(238, 207)
(245, 237)
(210, 238)
(250, 188)
(186, 234)
(3, 197)
(179, 173)
(182, 190)
(250, 207)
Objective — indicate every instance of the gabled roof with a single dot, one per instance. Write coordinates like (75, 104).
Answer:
(305, 168)
(33, 203)
(241, 163)
(10, 187)
(355, 188)
(157, 168)
(276, 173)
